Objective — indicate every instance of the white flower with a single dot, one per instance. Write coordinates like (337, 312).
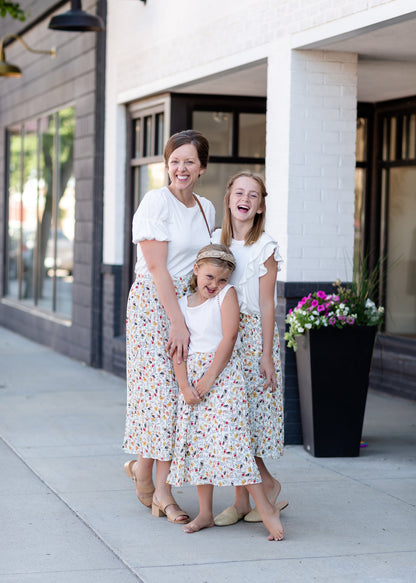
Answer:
(308, 326)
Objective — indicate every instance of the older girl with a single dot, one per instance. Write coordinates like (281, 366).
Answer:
(257, 257)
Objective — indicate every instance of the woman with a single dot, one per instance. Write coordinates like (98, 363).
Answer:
(169, 227)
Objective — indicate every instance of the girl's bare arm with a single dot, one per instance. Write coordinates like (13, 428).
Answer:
(267, 285)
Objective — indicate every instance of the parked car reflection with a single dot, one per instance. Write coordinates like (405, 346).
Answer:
(64, 254)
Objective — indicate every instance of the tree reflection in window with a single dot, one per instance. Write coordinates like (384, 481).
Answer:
(42, 212)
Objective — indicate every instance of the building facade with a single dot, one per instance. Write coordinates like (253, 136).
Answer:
(318, 96)
(51, 167)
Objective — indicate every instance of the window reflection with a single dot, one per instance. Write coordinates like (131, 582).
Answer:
(252, 135)
(217, 127)
(41, 212)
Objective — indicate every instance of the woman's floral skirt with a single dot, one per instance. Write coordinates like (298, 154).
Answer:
(152, 390)
(265, 407)
(212, 438)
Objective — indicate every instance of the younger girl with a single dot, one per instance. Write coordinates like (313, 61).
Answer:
(212, 438)
(257, 260)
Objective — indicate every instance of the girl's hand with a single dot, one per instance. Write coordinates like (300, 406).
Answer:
(190, 395)
(203, 386)
(178, 342)
(268, 371)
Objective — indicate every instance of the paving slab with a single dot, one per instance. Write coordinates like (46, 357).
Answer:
(69, 513)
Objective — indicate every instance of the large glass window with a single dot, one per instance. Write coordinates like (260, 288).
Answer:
(398, 212)
(217, 127)
(148, 168)
(41, 212)
(401, 252)
(361, 155)
(252, 135)
(237, 141)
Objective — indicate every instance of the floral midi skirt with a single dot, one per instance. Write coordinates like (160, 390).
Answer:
(152, 390)
(265, 408)
(212, 438)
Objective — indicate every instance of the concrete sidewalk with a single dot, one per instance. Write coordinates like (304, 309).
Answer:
(69, 513)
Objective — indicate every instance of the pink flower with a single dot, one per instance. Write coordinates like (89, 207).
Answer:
(350, 320)
(314, 303)
(320, 294)
(332, 321)
(321, 308)
(290, 311)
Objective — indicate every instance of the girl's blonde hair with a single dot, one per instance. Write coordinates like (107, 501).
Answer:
(257, 229)
(217, 254)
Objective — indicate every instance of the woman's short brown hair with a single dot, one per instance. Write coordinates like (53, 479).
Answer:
(188, 137)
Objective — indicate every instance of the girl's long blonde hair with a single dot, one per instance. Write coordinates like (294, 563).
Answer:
(214, 253)
(257, 229)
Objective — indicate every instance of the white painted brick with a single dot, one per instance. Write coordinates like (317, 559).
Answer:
(327, 209)
(306, 171)
(323, 182)
(338, 125)
(325, 90)
(346, 208)
(300, 264)
(325, 252)
(337, 171)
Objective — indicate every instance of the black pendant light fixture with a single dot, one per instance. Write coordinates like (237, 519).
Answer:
(76, 20)
(9, 70)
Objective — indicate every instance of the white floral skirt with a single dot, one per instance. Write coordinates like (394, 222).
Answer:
(264, 406)
(212, 438)
(152, 390)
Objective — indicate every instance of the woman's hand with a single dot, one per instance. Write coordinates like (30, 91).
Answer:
(178, 342)
(268, 371)
(190, 395)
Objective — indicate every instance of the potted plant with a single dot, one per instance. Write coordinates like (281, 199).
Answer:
(333, 336)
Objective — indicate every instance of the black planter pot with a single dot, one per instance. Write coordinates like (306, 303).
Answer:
(333, 369)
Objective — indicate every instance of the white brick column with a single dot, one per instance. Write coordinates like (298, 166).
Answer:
(311, 161)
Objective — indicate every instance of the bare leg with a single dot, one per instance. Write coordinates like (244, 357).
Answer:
(143, 472)
(242, 500)
(271, 486)
(269, 513)
(162, 497)
(205, 518)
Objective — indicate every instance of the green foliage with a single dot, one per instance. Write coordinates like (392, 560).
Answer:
(12, 8)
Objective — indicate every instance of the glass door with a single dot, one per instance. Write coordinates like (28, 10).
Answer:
(401, 251)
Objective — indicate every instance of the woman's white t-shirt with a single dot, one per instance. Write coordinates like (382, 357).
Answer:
(250, 267)
(162, 217)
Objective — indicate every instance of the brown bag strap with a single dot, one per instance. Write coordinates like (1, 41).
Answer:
(203, 214)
